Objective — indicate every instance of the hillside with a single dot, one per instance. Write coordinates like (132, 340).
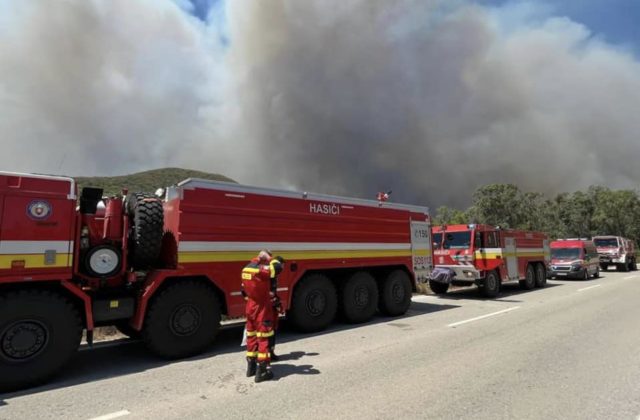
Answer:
(148, 181)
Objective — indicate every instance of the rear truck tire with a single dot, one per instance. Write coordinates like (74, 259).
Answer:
(623, 267)
(491, 285)
(359, 297)
(632, 265)
(183, 320)
(541, 275)
(146, 218)
(124, 328)
(395, 293)
(529, 281)
(314, 304)
(438, 288)
(40, 331)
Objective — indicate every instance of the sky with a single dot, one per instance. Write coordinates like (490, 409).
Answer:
(428, 98)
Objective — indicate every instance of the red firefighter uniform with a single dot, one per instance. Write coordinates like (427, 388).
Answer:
(256, 286)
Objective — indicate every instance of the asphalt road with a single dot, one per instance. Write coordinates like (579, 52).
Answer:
(569, 351)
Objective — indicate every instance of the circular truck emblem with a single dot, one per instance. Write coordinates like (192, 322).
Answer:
(39, 210)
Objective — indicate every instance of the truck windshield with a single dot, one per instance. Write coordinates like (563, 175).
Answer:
(565, 253)
(457, 240)
(604, 242)
(437, 240)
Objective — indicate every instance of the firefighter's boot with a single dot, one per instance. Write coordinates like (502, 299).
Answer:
(251, 366)
(263, 373)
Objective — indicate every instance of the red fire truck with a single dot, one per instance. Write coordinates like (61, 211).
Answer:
(488, 256)
(616, 250)
(167, 269)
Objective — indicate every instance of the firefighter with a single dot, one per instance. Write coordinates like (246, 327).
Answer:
(277, 310)
(256, 288)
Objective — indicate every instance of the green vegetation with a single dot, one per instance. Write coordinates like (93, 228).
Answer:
(148, 181)
(597, 211)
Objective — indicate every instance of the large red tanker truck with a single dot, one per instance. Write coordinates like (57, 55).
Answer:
(167, 269)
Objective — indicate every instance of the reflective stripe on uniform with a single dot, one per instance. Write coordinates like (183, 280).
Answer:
(252, 333)
(264, 334)
(247, 276)
(251, 270)
(252, 354)
(272, 268)
(264, 356)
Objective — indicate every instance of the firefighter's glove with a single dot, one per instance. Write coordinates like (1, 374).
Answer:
(275, 301)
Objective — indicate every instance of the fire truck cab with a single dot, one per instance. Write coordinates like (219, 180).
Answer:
(488, 256)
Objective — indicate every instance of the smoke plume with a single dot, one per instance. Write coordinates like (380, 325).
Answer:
(430, 98)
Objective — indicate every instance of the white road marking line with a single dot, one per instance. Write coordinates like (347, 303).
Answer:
(114, 415)
(629, 277)
(590, 287)
(455, 324)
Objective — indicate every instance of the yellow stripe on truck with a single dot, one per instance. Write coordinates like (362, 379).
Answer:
(34, 261)
(229, 256)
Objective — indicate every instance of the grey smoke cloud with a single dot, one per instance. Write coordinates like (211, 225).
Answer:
(429, 98)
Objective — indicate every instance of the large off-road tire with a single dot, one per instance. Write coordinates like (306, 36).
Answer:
(40, 331)
(438, 288)
(541, 275)
(395, 293)
(314, 304)
(146, 219)
(529, 281)
(491, 285)
(182, 320)
(359, 297)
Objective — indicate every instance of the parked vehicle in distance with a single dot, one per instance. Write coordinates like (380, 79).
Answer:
(574, 258)
(616, 250)
(489, 257)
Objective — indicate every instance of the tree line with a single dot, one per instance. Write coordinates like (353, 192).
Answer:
(596, 211)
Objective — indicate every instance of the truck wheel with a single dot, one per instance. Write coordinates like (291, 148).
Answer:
(632, 265)
(491, 285)
(541, 275)
(395, 293)
(314, 303)
(359, 297)
(529, 281)
(146, 218)
(438, 288)
(39, 332)
(182, 320)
